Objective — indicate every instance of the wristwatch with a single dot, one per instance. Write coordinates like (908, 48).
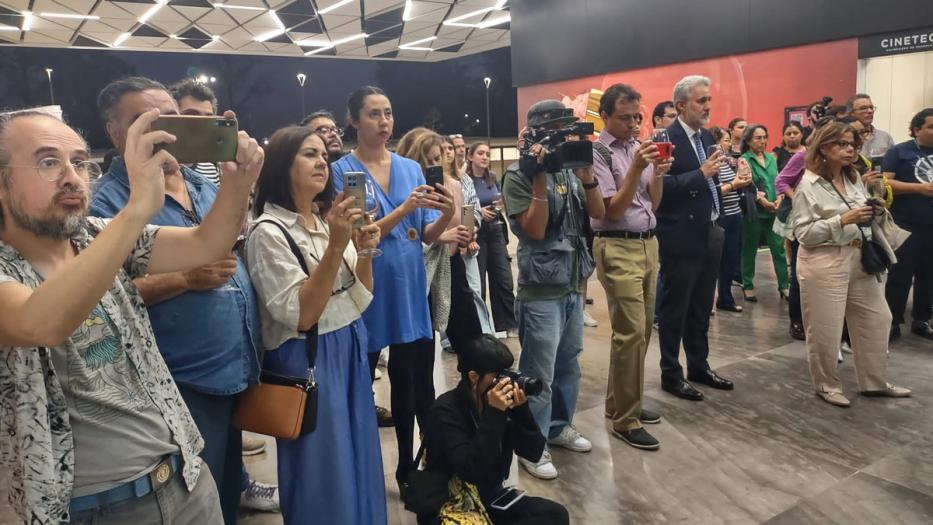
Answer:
(591, 185)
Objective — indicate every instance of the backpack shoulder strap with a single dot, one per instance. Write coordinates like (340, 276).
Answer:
(604, 152)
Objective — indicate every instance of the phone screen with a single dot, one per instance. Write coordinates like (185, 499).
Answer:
(507, 498)
(434, 175)
(354, 184)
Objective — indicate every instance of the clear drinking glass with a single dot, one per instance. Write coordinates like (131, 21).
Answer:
(371, 208)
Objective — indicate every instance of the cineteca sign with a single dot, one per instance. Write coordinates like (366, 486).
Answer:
(909, 41)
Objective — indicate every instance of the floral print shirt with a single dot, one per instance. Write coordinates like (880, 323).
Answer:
(36, 441)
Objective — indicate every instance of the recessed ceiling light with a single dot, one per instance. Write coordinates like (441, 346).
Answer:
(69, 15)
(413, 46)
(455, 21)
(336, 43)
(8, 28)
(243, 7)
(27, 20)
(330, 8)
(406, 14)
(152, 11)
(120, 39)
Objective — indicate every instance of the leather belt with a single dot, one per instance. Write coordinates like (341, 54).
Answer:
(622, 234)
(137, 488)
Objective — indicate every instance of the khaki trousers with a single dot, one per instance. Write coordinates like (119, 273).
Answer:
(833, 289)
(628, 271)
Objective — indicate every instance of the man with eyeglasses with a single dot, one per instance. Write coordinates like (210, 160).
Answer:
(205, 320)
(93, 426)
(876, 142)
(322, 122)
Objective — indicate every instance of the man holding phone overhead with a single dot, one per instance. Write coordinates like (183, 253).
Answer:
(205, 320)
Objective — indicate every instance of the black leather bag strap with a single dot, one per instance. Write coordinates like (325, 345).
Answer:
(846, 202)
(311, 334)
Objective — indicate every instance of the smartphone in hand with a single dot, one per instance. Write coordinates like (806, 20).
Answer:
(434, 175)
(354, 185)
(199, 138)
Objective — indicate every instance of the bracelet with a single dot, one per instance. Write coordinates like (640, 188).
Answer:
(539, 199)
(591, 185)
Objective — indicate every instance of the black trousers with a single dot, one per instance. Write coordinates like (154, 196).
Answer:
(493, 260)
(914, 266)
(526, 511)
(463, 323)
(411, 371)
(689, 286)
(794, 310)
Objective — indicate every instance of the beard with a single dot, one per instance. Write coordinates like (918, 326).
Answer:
(50, 226)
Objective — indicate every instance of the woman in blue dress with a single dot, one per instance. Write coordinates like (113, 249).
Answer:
(334, 474)
(409, 212)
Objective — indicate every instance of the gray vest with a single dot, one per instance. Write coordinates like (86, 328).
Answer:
(550, 261)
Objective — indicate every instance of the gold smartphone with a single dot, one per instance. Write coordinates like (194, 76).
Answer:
(468, 219)
(199, 138)
(354, 185)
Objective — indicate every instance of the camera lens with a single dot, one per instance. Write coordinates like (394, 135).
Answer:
(530, 386)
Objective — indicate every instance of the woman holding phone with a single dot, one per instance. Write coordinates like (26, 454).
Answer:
(493, 256)
(764, 172)
(730, 220)
(408, 213)
(295, 199)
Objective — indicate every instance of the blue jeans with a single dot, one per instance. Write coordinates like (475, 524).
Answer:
(551, 335)
(475, 282)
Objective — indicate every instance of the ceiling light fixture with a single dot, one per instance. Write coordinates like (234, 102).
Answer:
(406, 14)
(27, 20)
(120, 39)
(413, 46)
(274, 33)
(243, 7)
(152, 11)
(455, 21)
(336, 43)
(8, 28)
(69, 15)
(339, 4)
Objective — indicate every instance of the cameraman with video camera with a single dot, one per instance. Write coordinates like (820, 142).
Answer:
(547, 196)
(474, 429)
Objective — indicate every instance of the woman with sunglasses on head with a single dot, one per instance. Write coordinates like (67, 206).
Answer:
(764, 172)
(493, 256)
(334, 473)
(409, 213)
(833, 219)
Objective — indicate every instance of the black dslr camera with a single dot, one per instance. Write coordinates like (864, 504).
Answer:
(529, 385)
(561, 153)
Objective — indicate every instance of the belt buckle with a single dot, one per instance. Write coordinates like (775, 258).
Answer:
(161, 474)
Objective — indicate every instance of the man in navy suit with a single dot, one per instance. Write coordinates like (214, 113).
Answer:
(690, 243)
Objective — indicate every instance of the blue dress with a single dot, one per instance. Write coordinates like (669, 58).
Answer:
(399, 311)
(334, 474)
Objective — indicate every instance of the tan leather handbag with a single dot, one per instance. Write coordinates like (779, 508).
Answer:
(279, 405)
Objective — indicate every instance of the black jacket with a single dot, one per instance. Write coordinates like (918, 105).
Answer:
(478, 448)
(683, 216)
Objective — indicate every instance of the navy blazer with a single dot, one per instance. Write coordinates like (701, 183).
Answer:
(686, 206)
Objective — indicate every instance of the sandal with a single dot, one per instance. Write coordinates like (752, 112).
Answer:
(751, 298)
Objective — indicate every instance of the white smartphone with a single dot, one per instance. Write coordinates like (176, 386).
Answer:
(508, 498)
(354, 185)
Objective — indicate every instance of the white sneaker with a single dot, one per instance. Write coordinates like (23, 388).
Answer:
(260, 496)
(571, 439)
(543, 469)
(589, 321)
(846, 349)
(378, 374)
(383, 359)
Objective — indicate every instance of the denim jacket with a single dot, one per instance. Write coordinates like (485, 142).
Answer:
(209, 339)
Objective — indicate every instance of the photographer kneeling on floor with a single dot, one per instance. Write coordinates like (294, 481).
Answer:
(472, 432)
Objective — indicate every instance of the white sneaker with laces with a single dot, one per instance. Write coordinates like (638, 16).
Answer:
(260, 496)
(589, 321)
(543, 469)
(571, 439)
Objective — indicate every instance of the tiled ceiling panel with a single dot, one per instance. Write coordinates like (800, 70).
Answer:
(445, 28)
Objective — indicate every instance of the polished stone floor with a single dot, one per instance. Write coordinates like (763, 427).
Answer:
(768, 452)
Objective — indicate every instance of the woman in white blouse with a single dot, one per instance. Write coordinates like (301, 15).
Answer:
(831, 217)
(334, 474)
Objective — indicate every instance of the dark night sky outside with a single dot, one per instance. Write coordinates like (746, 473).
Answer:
(264, 91)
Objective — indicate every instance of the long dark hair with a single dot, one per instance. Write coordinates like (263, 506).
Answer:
(489, 176)
(749, 133)
(275, 184)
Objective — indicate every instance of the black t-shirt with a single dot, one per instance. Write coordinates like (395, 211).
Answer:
(782, 156)
(913, 164)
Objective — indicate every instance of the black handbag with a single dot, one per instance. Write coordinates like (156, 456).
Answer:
(426, 490)
(279, 405)
(874, 259)
(784, 209)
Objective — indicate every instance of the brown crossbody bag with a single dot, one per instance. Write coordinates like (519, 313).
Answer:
(279, 405)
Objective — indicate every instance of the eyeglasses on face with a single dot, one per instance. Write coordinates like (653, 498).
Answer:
(865, 108)
(52, 169)
(845, 144)
(327, 130)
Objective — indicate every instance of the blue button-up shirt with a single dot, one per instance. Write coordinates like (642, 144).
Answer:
(209, 339)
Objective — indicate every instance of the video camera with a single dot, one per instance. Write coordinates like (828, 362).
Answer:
(820, 107)
(561, 153)
(529, 385)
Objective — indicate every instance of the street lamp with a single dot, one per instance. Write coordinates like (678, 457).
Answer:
(487, 81)
(48, 71)
(301, 86)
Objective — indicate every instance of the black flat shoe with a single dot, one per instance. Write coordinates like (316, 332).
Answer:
(797, 331)
(638, 438)
(922, 328)
(711, 379)
(895, 333)
(730, 308)
(683, 390)
(784, 296)
(750, 298)
(648, 417)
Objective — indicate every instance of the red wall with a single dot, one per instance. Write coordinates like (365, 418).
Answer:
(757, 86)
